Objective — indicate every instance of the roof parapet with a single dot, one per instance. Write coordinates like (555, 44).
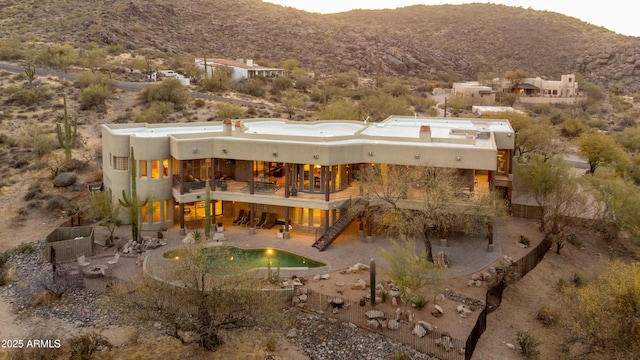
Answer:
(425, 133)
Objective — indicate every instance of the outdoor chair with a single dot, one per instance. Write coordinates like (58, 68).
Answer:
(83, 262)
(114, 261)
(261, 221)
(270, 221)
(241, 217)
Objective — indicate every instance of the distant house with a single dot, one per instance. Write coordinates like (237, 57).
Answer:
(565, 87)
(170, 73)
(473, 90)
(241, 69)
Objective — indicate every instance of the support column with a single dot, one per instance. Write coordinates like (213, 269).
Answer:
(326, 180)
(369, 229)
(252, 182)
(287, 178)
(326, 220)
(252, 226)
(182, 231)
(213, 174)
(286, 222)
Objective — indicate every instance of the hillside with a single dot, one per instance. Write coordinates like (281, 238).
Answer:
(436, 42)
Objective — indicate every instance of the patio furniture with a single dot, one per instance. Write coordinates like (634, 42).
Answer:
(83, 262)
(241, 217)
(114, 261)
(261, 221)
(270, 221)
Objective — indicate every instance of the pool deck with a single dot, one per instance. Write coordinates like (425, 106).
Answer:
(468, 254)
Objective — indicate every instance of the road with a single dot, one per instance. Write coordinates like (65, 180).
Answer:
(124, 85)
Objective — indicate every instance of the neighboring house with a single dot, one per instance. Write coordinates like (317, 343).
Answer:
(303, 173)
(481, 110)
(241, 70)
(566, 87)
(170, 73)
(473, 90)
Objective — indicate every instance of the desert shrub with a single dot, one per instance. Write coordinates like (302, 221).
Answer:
(157, 112)
(271, 343)
(524, 240)
(82, 346)
(169, 90)
(574, 240)
(281, 84)
(384, 296)
(561, 284)
(528, 345)
(5, 274)
(25, 248)
(253, 87)
(578, 280)
(11, 49)
(45, 297)
(57, 202)
(94, 97)
(401, 355)
(88, 78)
(6, 139)
(547, 316)
(419, 301)
(573, 127)
(230, 111)
(199, 103)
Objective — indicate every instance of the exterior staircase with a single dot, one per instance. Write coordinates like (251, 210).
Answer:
(335, 230)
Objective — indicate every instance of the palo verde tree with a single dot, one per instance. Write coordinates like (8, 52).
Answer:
(103, 207)
(557, 190)
(601, 149)
(600, 319)
(133, 202)
(618, 205)
(415, 202)
(67, 139)
(200, 297)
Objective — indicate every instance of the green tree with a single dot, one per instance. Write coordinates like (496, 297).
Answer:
(38, 138)
(103, 207)
(618, 201)
(291, 101)
(230, 111)
(556, 189)
(601, 319)
(158, 111)
(58, 56)
(95, 97)
(339, 110)
(601, 149)
(409, 271)
(218, 81)
(67, 139)
(515, 77)
(169, 90)
(413, 202)
(93, 59)
(382, 105)
(201, 298)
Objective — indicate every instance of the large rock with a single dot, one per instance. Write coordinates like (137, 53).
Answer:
(64, 179)
(393, 325)
(427, 326)
(419, 331)
(375, 314)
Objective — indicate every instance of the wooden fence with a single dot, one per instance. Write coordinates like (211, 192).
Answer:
(69, 243)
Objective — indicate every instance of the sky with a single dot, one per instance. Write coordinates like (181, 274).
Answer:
(616, 15)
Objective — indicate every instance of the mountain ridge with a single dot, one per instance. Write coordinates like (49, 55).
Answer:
(435, 41)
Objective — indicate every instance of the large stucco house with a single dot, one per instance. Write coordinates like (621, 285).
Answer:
(474, 91)
(300, 173)
(565, 87)
(240, 69)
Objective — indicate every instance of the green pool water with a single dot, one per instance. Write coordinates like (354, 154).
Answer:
(252, 258)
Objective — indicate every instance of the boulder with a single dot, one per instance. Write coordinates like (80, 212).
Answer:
(393, 325)
(419, 331)
(360, 284)
(64, 179)
(426, 325)
(325, 276)
(373, 323)
(292, 333)
(375, 314)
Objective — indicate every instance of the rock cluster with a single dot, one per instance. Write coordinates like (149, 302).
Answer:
(78, 306)
(477, 279)
(147, 243)
(329, 339)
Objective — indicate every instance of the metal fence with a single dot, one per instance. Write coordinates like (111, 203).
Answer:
(437, 344)
(494, 295)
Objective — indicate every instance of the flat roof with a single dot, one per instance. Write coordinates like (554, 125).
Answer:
(395, 129)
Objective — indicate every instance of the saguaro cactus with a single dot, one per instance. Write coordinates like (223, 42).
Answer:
(207, 210)
(132, 202)
(67, 139)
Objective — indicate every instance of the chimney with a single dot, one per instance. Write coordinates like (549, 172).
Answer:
(249, 62)
(425, 133)
(226, 127)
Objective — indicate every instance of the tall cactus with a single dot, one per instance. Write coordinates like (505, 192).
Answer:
(133, 203)
(67, 139)
(207, 210)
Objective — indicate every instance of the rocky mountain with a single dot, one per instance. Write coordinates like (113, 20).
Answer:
(444, 41)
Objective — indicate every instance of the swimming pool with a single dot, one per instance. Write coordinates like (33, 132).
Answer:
(251, 258)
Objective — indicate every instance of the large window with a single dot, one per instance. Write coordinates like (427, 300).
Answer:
(165, 168)
(156, 211)
(121, 163)
(155, 169)
(143, 169)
